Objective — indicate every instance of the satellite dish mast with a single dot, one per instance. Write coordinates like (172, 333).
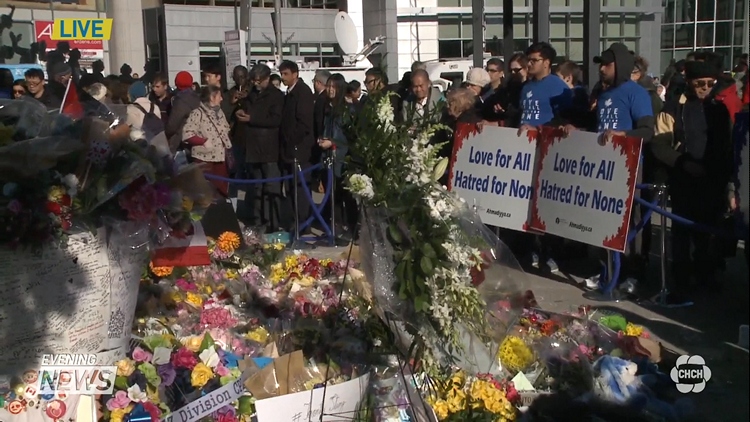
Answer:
(346, 35)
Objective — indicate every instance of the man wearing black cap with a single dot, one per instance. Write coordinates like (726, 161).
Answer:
(694, 140)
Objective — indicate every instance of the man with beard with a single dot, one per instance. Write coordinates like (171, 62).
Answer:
(694, 139)
(623, 108)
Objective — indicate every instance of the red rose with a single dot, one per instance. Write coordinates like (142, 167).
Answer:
(54, 208)
(152, 410)
(65, 201)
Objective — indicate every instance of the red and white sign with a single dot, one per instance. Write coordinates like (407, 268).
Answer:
(91, 49)
(583, 190)
(493, 169)
(183, 251)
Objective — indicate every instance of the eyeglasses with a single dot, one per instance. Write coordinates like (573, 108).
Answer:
(535, 60)
(370, 81)
(516, 69)
(491, 70)
(704, 84)
(33, 83)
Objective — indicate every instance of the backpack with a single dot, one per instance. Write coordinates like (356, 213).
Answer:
(152, 124)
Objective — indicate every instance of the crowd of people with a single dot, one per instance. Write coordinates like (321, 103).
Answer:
(266, 124)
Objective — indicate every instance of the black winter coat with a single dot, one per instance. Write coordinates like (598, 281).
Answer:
(297, 123)
(261, 133)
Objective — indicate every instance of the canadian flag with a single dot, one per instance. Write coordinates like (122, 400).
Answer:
(71, 105)
(183, 251)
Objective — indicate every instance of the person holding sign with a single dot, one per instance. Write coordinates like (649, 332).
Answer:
(623, 108)
(694, 139)
(544, 97)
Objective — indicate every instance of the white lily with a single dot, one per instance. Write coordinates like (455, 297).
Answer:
(209, 357)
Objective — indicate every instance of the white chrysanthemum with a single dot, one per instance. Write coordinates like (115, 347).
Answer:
(385, 113)
(361, 185)
(71, 183)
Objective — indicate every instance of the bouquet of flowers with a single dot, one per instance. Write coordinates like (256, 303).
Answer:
(473, 398)
(163, 374)
(426, 255)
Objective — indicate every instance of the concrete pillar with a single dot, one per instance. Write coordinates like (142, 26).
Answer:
(540, 19)
(127, 43)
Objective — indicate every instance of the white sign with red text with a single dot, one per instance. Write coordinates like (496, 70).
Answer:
(584, 190)
(493, 170)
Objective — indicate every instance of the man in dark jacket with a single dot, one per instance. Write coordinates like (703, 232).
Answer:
(184, 102)
(39, 90)
(297, 137)
(694, 139)
(161, 96)
(258, 123)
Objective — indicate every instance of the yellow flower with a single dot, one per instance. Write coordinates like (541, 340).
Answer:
(193, 343)
(175, 296)
(277, 273)
(118, 415)
(633, 330)
(290, 262)
(187, 203)
(305, 281)
(56, 193)
(456, 401)
(228, 241)
(201, 375)
(232, 274)
(515, 354)
(125, 367)
(325, 262)
(160, 271)
(258, 335)
(194, 299)
(278, 246)
(153, 394)
(441, 410)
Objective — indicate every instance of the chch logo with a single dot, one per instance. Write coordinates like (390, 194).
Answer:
(71, 29)
(690, 374)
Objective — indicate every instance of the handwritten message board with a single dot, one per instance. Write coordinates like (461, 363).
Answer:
(341, 402)
(493, 170)
(78, 299)
(583, 190)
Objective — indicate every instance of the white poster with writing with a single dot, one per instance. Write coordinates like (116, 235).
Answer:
(584, 190)
(341, 403)
(78, 299)
(493, 169)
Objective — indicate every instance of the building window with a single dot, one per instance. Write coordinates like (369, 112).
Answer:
(706, 10)
(684, 10)
(723, 33)
(684, 36)
(667, 36)
(704, 35)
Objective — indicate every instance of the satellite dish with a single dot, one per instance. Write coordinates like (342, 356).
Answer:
(346, 33)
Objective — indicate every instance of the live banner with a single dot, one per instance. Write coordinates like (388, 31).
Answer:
(584, 190)
(492, 169)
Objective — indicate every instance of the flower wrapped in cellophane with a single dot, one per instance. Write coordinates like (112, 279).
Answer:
(431, 264)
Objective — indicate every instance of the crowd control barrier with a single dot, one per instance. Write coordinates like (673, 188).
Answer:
(611, 271)
(298, 242)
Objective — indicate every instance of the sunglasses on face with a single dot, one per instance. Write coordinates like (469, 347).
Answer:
(516, 69)
(19, 91)
(704, 84)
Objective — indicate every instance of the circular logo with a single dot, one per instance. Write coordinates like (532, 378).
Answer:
(56, 409)
(15, 407)
(30, 377)
(48, 397)
(690, 374)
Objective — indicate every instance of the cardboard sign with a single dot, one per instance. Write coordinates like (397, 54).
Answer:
(583, 190)
(494, 171)
(341, 402)
(183, 251)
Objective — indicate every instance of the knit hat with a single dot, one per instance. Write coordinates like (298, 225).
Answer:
(478, 77)
(137, 90)
(183, 80)
(60, 69)
(698, 70)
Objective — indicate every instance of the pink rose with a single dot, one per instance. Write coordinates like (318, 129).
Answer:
(140, 355)
(221, 370)
(185, 285)
(184, 358)
(217, 318)
(226, 417)
(119, 401)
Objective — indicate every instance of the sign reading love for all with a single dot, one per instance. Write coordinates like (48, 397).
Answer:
(570, 187)
(584, 191)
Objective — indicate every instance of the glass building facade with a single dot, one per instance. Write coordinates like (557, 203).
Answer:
(712, 25)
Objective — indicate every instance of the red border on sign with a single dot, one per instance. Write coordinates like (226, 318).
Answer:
(462, 132)
(629, 147)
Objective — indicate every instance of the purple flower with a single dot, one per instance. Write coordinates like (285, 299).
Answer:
(15, 206)
(167, 374)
